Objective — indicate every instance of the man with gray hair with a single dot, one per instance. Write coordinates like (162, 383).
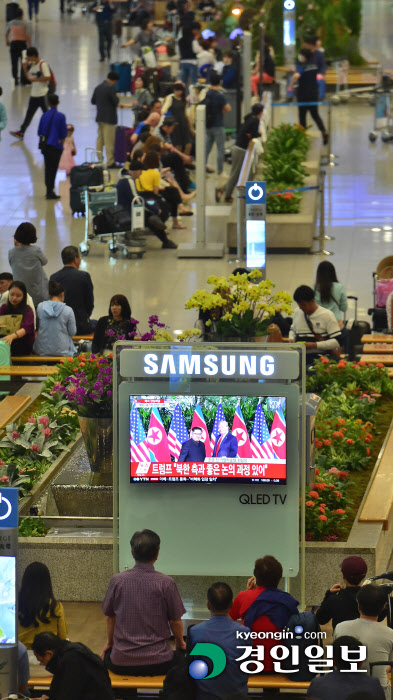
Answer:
(143, 608)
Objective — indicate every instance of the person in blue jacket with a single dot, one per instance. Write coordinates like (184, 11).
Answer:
(226, 445)
(53, 128)
(56, 324)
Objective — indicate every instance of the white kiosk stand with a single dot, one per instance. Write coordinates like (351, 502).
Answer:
(8, 612)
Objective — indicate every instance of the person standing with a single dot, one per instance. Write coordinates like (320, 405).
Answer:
(189, 47)
(306, 75)
(248, 131)
(193, 450)
(226, 445)
(106, 100)
(27, 262)
(33, 5)
(53, 128)
(104, 10)
(18, 39)
(216, 107)
(38, 73)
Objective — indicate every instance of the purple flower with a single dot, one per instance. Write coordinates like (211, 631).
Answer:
(134, 321)
(110, 332)
(153, 320)
(121, 337)
(109, 393)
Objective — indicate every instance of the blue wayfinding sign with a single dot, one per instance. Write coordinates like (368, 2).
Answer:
(8, 507)
(255, 192)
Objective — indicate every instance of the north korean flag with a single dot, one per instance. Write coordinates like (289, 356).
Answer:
(239, 430)
(157, 438)
(198, 421)
(278, 434)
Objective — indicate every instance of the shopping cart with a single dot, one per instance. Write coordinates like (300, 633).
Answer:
(383, 111)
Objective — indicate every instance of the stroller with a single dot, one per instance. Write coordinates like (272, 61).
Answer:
(382, 288)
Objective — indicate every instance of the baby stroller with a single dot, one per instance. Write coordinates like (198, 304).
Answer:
(382, 287)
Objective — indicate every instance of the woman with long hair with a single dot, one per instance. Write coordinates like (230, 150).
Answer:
(21, 340)
(118, 325)
(175, 105)
(329, 292)
(150, 183)
(38, 609)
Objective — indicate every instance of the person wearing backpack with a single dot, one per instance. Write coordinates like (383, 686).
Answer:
(39, 75)
(216, 107)
(52, 131)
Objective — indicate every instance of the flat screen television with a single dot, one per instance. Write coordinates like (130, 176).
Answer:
(7, 600)
(208, 439)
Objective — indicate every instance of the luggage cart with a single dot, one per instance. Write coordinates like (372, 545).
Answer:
(132, 244)
(383, 116)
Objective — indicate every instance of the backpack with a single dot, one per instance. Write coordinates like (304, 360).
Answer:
(309, 622)
(52, 82)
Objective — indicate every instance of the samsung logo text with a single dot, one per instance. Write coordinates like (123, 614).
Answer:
(210, 365)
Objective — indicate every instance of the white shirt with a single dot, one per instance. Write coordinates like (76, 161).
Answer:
(323, 323)
(39, 89)
(379, 642)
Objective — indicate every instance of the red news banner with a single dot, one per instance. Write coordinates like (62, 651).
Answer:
(275, 469)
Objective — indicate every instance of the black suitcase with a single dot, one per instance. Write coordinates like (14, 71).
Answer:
(114, 219)
(86, 175)
(353, 332)
(11, 9)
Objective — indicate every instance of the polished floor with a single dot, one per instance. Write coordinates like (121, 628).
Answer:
(359, 201)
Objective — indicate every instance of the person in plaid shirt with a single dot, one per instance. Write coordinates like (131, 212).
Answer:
(143, 608)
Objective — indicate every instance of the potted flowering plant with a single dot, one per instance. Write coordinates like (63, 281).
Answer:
(240, 306)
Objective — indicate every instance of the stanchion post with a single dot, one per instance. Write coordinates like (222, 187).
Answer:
(261, 58)
(321, 238)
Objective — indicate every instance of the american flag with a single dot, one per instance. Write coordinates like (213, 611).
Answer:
(215, 434)
(178, 432)
(261, 444)
(139, 449)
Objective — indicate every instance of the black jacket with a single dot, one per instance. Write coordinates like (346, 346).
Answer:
(79, 295)
(192, 451)
(78, 674)
(338, 607)
(106, 101)
(101, 341)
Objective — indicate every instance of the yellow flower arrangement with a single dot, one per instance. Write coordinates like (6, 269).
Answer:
(241, 305)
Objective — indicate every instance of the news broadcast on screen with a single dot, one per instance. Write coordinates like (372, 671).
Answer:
(208, 439)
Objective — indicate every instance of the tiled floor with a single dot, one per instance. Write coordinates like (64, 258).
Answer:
(359, 199)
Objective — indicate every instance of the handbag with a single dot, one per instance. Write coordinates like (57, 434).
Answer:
(44, 137)
(10, 323)
(318, 337)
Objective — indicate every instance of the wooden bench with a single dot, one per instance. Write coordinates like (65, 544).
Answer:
(87, 336)
(156, 682)
(379, 500)
(27, 371)
(378, 348)
(384, 359)
(10, 406)
(376, 338)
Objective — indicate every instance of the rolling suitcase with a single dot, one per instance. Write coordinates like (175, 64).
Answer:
(122, 141)
(11, 9)
(353, 331)
(124, 72)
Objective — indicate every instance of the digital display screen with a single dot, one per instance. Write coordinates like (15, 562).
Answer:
(289, 32)
(7, 600)
(208, 439)
(256, 244)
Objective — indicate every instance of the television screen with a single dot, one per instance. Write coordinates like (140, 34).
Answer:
(208, 439)
(7, 600)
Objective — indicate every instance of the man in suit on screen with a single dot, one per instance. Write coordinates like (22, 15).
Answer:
(193, 450)
(226, 445)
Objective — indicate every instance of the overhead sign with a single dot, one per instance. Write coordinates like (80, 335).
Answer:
(289, 31)
(185, 362)
(8, 508)
(289, 5)
(255, 192)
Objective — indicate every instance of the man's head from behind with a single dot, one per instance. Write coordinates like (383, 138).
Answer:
(45, 645)
(135, 169)
(214, 79)
(70, 256)
(112, 77)
(305, 298)
(353, 570)
(145, 546)
(371, 600)
(353, 645)
(219, 598)
(268, 572)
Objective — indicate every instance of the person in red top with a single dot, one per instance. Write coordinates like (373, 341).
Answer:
(263, 607)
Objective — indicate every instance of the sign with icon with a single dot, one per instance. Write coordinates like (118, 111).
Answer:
(8, 622)
(256, 225)
(289, 31)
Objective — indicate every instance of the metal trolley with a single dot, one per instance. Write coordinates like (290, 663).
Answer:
(383, 111)
(131, 244)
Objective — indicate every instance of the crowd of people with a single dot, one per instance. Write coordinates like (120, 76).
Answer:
(143, 611)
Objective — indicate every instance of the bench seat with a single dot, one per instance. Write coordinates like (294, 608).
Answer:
(376, 338)
(27, 371)
(10, 407)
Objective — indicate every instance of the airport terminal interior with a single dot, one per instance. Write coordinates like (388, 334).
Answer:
(358, 199)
